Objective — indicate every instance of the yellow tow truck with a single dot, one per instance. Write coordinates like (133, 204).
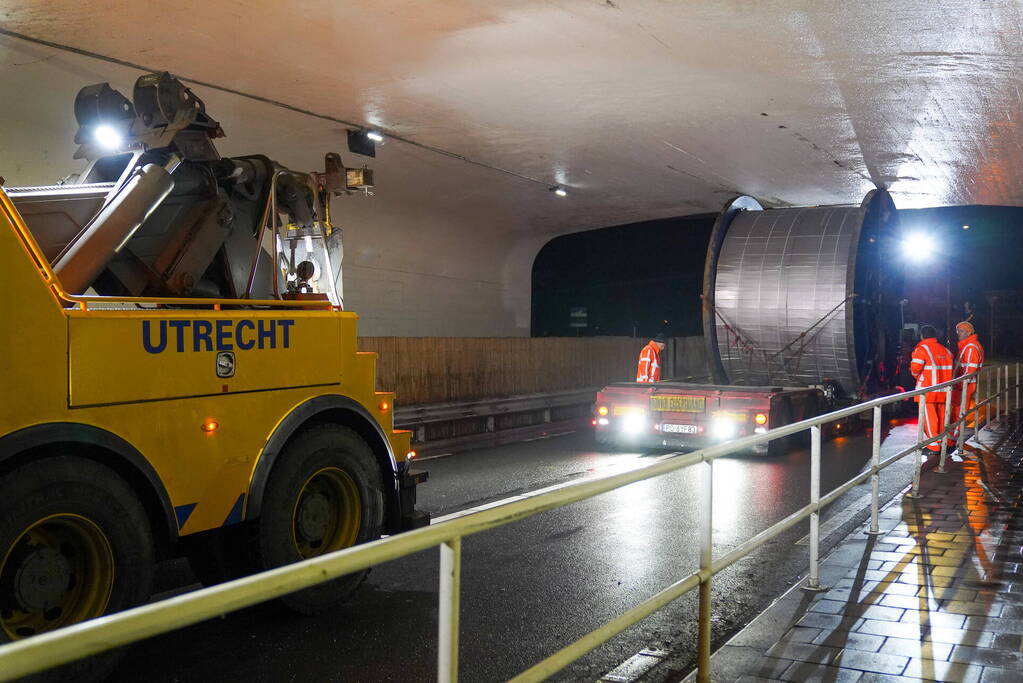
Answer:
(178, 373)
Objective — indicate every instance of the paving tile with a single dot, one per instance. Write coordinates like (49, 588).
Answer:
(972, 608)
(819, 620)
(800, 634)
(995, 624)
(871, 661)
(803, 652)
(804, 672)
(953, 636)
(756, 679)
(987, 656)
(995, 675)
(915, 648)
(886, 678)
(850, 639)
(952, 593)
(1008, 641)
(948, 672)
(934, 619)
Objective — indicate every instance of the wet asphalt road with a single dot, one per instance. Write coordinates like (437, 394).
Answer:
(534, 586)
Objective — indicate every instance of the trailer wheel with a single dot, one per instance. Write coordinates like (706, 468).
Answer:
(75, 543)
(780, 447)
(324, 494)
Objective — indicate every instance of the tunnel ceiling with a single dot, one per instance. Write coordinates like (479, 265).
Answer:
(641, 109)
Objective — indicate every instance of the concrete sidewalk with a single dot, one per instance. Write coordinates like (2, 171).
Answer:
(937, 596)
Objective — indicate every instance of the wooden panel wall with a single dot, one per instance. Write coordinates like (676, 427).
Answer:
(441, 369)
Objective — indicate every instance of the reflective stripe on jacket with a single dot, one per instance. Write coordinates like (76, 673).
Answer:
(931, 365)
(971, 357)
(649, 369)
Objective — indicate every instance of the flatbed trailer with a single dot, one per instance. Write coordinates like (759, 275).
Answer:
(690, 416)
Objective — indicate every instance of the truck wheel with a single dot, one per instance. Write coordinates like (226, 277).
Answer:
(780, 447)
(75, 543)
(324, 494)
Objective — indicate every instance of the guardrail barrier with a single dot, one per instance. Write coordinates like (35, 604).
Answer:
(51, 649)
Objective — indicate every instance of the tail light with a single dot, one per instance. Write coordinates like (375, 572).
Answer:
(760, 418)
(602, 411)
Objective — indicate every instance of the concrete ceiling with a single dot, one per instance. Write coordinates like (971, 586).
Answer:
(640, 109)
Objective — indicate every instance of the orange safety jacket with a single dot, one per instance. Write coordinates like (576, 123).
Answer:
(931, 364)
(971, 357)
(649, 369)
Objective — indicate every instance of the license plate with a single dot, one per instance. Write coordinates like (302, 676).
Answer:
(678, 429)
(678, 404)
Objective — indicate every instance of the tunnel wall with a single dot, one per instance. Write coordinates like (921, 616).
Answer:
(442, 369)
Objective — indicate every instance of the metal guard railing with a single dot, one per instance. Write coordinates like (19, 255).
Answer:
(51, 649)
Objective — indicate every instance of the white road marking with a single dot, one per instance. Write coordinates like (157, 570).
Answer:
(834, 522)
(635, 666)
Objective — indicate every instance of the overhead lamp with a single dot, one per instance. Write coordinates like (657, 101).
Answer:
(560, 191)
(364, 142)
(966, 227)
(918, 246)
(108, 137)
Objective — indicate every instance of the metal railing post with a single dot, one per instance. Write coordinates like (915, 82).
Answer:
(963, 413)
(980, 421)
(945, 427)
(813, 581)
(1017, 390)
(875, 475)
(921, 416)
(447, 623)
(1006, 390)
(706, 562)
(998, 394)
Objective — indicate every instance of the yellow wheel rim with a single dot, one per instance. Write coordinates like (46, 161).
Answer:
(58, 572)
(327, 513)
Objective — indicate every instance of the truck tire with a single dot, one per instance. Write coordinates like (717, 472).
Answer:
(75, 543)
(780, 447)
(324, 494)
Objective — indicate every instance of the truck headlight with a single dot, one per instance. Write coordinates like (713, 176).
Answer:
(633, 423)
(723, 428)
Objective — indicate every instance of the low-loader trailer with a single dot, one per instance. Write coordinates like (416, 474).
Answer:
(800, 315)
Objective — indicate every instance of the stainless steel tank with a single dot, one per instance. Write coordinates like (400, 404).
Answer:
(796, 297)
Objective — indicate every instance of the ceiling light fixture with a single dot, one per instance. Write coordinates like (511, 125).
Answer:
(560, 191)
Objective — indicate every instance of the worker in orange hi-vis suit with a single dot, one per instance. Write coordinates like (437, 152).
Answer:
(931, 364)
(970, 359)
(649, 369)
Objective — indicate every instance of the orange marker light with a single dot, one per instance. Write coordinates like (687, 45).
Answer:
(210, 425)
(384, 406)
(760, 418)
(602, 411)
(411, 455)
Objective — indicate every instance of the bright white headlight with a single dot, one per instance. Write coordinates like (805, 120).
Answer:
(633, 423)
(108, 137)
(723, 428)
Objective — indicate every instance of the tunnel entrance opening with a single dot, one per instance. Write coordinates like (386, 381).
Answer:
(629, 280)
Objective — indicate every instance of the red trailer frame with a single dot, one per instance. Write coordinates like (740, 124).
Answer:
(691, 416)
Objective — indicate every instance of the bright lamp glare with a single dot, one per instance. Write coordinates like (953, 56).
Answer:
(107, 137)
(918, 247)
(375, 136)
(723, 428)
(633, 423)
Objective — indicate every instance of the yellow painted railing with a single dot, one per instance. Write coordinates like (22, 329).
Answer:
(81, 640)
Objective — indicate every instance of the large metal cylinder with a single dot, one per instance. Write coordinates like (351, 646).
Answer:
(797, 297)
(85, 257)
